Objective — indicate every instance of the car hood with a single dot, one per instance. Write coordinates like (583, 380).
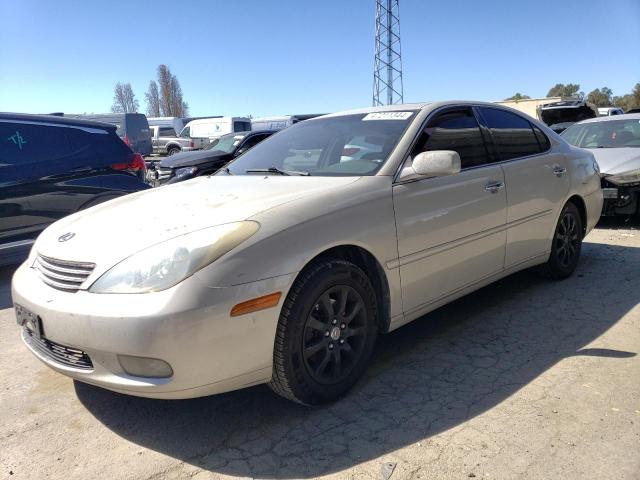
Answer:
(614, 161)
(190, 159)
(108, 233)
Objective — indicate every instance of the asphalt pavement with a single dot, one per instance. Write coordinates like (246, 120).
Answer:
(527, 378)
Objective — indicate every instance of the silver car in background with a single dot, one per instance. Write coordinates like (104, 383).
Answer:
(285, 266)
(615, 142)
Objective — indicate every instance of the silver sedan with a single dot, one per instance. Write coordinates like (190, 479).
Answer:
(284, 267)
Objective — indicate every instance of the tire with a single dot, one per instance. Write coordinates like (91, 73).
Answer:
(173, 151)
(566, 244)
(320, 352)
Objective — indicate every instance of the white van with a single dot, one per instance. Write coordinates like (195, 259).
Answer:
(167, 123)
(214, 127)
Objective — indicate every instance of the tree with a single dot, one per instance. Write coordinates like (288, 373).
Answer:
(630, 100)
(153, 100)
(517, 96)
(171, 101)
(562, 90)
(124, 100)
(601, 97)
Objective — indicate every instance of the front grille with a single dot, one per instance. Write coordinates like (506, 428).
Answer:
(67, 356)
(63, 274)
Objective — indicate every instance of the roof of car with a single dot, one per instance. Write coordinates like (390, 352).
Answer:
(55, 119)
(626, 116)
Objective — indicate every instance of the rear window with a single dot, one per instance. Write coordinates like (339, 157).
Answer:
(167, 132)
(512, 134)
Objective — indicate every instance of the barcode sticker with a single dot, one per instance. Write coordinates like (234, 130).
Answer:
(388, 116)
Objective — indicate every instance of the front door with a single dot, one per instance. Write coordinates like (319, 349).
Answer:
(450, 229)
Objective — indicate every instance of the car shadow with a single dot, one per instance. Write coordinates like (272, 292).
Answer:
(5, 286)
(429, 376)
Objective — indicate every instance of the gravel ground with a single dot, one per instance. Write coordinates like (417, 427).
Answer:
(526, 378)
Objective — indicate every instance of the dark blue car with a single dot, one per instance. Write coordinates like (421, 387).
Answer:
(53, 166)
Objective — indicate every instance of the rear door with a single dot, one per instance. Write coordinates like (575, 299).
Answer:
(43, 177)
(450, 229)
(536, 179)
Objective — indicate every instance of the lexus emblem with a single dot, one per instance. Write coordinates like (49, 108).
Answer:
(66, 236)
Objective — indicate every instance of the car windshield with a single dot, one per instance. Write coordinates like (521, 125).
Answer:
(604, 134)
(226, 143)
(347, 145)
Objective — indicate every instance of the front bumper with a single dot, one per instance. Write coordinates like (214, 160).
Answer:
(187, 326)
(620, 199)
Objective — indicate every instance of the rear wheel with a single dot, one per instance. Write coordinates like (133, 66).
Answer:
(173, 151)
(566, 244)
(326, 333)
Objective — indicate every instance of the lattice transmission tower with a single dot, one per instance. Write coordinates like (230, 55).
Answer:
(387, 69)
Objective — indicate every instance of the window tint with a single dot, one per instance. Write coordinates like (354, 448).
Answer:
(512, 134)
(543, 141)
(27, 143)
(253, 141)
(167, 132)
(456, 130)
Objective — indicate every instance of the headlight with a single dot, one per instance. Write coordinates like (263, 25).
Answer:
(181, 172)
(168, 263)
(632, 176)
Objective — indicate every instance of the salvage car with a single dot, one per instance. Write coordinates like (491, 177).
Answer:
(615, 142)
(53, 166)
(221, 151)
(285, 266)
(561, 115)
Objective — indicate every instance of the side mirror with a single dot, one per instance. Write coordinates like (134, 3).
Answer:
(239, 152)
(436, 163)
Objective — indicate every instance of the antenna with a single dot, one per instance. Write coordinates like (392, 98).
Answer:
(387, 69)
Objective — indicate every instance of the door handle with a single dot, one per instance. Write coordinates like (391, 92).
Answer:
(558, 171)
(494, 187)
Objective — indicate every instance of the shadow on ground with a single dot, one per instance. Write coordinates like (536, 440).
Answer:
(429, 376)
(5, 286)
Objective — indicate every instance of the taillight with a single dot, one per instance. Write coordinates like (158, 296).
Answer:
(349, 151)
(193, 144)
(135, 164)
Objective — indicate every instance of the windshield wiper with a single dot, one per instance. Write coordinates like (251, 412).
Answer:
(278, 171)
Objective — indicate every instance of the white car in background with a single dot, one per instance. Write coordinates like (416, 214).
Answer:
(285, 266)
(615, 142)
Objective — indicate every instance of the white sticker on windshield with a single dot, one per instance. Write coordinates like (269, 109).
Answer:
(388, 116)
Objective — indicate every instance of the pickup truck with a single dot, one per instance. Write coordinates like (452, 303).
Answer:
(170, 145)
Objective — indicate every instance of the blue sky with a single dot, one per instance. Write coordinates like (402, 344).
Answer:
(266, 57)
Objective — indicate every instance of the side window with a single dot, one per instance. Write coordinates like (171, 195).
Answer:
(27, 143)
(186, 132)
(543, 141)
(511, 133)
(253, 141)
(456, 130)
(241, 126)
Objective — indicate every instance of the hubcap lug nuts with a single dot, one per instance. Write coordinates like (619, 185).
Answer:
(331, 346)
(326, 334)
(341, 341)
(343, 326)
(335, 320)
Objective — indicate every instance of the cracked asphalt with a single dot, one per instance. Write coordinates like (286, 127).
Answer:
(526, 378)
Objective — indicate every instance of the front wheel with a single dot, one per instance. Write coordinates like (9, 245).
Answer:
(326, 333)
(566, 244)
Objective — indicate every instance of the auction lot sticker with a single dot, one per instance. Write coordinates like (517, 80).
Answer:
(388, 116)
